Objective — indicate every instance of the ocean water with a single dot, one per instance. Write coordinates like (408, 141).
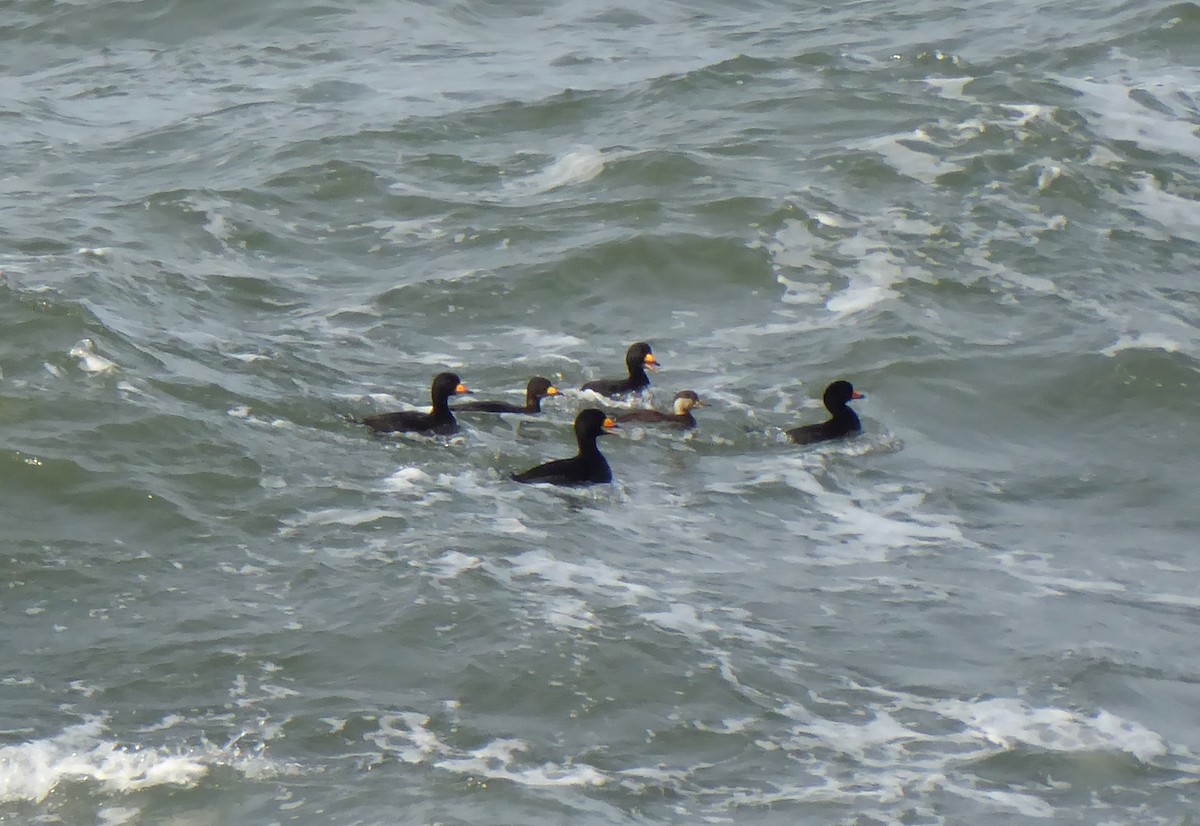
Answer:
(226, 227)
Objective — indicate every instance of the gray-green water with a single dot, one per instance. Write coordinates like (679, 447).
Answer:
(222, 603)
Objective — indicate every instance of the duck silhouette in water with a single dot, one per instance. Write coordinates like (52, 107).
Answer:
(637, 359)
(842, 420)
(438, 420)
(537, 389)
(685, 400)
(586, 467)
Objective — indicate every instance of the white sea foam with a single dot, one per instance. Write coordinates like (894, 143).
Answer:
(117, 815)
(497, 760)
(1048, 175)
(1174, 600)
(897, 749)
(863, 524)
(569, 612)
(215, 223)
(1023, 114)
(249, 358)
(383, 399)
(81, 753)
(952, 88)
(468, 483)
(452, 563)
(574, 167)
(443, 361)
(1025, 805)
(682, 618)
(827, 219)
(792, 246)
(730, 725)
(407, 480)
(544, 343)
(897, 153)
(871, 282)
(1142, 341)
(513, 525)
(1178, 215)
(1036, 569)
(1168, 128)
(425, 229)
(882, 733)
(1008, 722)
(593, 576)
(408, 736)
(339, 516)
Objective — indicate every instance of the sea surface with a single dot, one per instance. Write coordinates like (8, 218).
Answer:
(229, 228)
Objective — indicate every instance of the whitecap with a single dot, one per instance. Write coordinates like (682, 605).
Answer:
(32, 770)
(1047, 176)
(865, 524)
(1036, 570)
(593, 576)
(870, 282)
(574, 167)
(424, 229)
(215, 223)
(900, 156)
(1009, 722)
(513, 525)
(681, 618)
(1142, 341)
(952, 88)
(339, 516)
(827, 219)
(1026, 113)
(1178, 215)
(452, 563)
(881, 731)
(406, 480)
(467, 483)
(1025, 805)
(569, 613)
(117, 815)
(411, 728)
(1122, 117)
(544, 341)
(496, 760)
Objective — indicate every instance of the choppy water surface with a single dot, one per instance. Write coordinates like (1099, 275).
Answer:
(224, 227)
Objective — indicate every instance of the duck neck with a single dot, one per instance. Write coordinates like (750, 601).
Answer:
(587, 445)
(533, 403)
(637, 375)
(843, 414)
(441, 405)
